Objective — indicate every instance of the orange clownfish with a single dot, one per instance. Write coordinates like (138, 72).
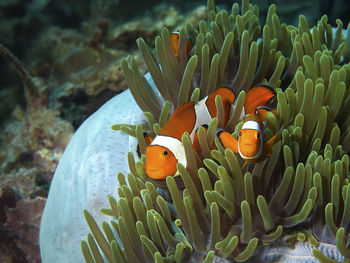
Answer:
(250, 144)
(166, 150)
(175, 39)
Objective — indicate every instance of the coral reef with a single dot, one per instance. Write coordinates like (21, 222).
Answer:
(24, 219)
(81, 67)
(214, 210)
(31, 146)
(36, 136)
(8, 249)
(19, 225)
(98, 76)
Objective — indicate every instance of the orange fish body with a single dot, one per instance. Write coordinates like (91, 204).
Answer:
(166, 150)
(175, 39)
(250, 144)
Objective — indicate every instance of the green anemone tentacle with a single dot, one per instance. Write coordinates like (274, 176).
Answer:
(214, 208)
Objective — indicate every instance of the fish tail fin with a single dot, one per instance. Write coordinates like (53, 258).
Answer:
(227, 96)
(228, 141)
(269, 144)
(257, 96)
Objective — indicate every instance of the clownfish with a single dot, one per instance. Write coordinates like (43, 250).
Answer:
(250, 144)
(175, 39)
(166, 150)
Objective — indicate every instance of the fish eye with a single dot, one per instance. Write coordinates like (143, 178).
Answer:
(165, 152)
(240, 133)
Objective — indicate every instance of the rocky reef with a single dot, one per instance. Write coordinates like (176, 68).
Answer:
(274, 210)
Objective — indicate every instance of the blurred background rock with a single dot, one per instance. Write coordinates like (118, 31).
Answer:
(74, 49)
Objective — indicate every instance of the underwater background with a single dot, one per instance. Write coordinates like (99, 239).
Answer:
(59, 62)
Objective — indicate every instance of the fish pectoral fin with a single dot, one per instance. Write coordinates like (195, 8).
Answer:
(257, 96)
(267, 150)
(227, 96)
(228, 141)
(245, 163)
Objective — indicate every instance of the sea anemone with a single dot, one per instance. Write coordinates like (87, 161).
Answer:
(295, 201)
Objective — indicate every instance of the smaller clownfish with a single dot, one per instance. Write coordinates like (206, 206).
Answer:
(250, 144)
(166, 150)
(175, 39)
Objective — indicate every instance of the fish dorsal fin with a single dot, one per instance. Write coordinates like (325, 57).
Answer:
(227, 96)
(182, 120)
(257, 96)
(182, 108)
(261, 112)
